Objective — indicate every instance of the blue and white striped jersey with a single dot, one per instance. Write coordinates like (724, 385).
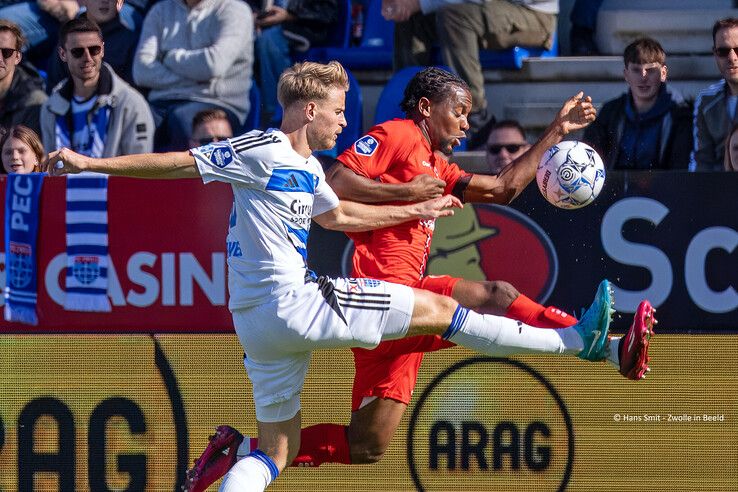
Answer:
(276, 191)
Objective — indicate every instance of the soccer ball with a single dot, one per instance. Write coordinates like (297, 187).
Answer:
(570, 174)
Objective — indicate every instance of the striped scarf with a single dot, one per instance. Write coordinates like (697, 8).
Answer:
(87, 243)
(96, 127)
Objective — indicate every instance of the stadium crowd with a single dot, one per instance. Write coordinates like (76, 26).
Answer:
(111, 78)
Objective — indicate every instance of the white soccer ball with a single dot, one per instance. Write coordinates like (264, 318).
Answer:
(570, 175)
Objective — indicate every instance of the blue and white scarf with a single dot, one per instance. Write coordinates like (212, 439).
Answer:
(87, 243)
(83, 132)
(22, 211)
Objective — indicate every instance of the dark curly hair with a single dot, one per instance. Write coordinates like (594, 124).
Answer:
(433, 83)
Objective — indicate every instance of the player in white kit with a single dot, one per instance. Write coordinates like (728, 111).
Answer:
(281, 310)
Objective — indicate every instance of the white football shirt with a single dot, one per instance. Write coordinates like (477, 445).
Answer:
(276, 191)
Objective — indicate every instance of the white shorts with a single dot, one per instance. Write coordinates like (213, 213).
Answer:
(329, 313)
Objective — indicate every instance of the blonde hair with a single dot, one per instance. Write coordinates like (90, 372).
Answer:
(310, 81)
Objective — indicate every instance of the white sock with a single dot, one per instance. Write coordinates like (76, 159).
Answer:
(498, 336)
(251, 474)
(613, 355)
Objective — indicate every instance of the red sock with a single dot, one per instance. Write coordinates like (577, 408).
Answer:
(531, 313)
(323, 443)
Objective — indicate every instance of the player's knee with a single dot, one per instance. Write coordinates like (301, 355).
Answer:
(443, 305)
(368, 442)
(368, 452)
(499, 295)
(432, 312)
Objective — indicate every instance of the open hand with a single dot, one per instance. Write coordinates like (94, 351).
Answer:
(438, 207)
(576, 113)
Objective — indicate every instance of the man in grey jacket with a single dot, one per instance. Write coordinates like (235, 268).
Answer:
(715, 107)
(195, 55)
(461, 28)
(93, 111)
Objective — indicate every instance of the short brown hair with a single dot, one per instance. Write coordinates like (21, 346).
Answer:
(78, 24)
(644, 50)
(206, 115)
(7, 26)
(310, 80)
(28, 137)
(723, 24)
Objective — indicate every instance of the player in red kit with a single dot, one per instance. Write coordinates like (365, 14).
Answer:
(399, 161)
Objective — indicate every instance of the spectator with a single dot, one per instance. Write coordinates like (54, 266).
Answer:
(21, 150)
(120, 40)
(583, 19)
(648, 127)
(465, 26)
(21, 87)
(505, 143)
(284, 32)
(94, 111)
(715, 107)
(39, 21)
(210, 125)
(195, 55)
(731, 153)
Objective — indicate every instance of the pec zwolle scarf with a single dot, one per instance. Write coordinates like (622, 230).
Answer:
(87, 243)
(22, 211)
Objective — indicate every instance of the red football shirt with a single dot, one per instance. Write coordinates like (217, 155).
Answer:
(395, 152)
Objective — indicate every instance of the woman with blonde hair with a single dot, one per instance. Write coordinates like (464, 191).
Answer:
(21, 150)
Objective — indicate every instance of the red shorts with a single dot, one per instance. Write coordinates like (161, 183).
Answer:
(391, 369)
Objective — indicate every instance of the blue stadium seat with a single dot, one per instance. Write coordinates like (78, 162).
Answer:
(388, 105)
(508, 59)
(375, 50)
(254, 116)
(512, 58)
(354, 116)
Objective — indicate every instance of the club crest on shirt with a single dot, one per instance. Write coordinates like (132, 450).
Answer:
(220, 155)
(366, 145)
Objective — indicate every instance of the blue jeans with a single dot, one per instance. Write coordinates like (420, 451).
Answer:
(173, 121)
(273, 55)
(584, 13)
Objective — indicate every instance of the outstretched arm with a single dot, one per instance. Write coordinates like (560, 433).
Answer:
(575, 114)
(356, 217)
(170, 165)
(350, 186)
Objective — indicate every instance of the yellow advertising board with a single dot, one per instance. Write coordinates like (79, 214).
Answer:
(119, 412)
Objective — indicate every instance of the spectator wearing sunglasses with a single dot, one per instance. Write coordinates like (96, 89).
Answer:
(715, 107)
(208, 126)
(21, 87)
(120, 38)
(94, 111)
(505, 143)
(650, 125)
